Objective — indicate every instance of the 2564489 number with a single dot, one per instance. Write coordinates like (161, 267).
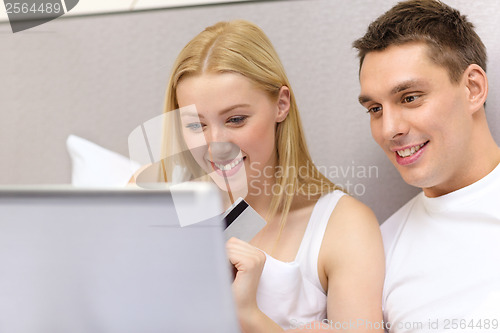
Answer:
(27, 8)
(469, 324)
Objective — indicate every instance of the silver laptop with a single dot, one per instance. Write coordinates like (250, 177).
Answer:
(111, 261)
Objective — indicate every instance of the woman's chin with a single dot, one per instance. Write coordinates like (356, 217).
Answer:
(237, 187)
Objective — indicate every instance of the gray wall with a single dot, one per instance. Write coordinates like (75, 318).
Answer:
(101, 76)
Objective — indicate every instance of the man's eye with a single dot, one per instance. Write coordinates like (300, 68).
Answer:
(409, 99)
(237, 120)
(195, 127)
(374, 109)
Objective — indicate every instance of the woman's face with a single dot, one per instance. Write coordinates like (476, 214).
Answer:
(229, 126)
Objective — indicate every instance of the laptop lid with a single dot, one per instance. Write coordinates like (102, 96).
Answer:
(112, 261)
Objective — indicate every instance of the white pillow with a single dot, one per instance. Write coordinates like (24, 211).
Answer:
(95, 166)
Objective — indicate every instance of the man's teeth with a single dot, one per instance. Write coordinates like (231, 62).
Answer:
(409, 151)
(227, 167)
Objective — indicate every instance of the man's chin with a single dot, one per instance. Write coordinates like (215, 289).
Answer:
(412, 179)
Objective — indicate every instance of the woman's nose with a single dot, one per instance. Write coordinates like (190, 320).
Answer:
(223, 151)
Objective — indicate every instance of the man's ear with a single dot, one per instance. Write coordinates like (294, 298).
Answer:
(476, 83)
(283, 104)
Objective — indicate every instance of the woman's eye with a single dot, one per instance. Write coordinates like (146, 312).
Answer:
(195, 127)
(237, 120)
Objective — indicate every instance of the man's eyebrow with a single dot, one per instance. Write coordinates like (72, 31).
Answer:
(405, 85)
(364, 99)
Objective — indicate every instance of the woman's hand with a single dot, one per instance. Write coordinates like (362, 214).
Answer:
(249, 262)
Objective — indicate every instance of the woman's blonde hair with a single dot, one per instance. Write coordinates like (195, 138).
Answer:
(242, 47)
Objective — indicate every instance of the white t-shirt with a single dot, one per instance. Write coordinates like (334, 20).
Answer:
(290, 293)
(443, 261)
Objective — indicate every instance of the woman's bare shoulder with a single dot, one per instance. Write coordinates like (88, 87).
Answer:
(352, 232)
(351, 213)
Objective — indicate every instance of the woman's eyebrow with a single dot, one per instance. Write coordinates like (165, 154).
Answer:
(228, 109)
(191, 113)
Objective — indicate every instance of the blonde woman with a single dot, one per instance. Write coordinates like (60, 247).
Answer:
(320, 257)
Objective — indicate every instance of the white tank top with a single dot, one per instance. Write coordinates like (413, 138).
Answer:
(290, 293)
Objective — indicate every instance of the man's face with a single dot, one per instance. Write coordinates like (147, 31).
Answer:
(418, 117)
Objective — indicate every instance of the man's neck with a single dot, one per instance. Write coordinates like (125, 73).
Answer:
(486, 161)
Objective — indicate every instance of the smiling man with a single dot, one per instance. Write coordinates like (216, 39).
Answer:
(423, 82)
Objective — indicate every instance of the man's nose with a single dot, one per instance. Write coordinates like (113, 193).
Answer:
(394, 123)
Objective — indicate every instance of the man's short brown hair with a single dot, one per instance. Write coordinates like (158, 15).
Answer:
(451, 38)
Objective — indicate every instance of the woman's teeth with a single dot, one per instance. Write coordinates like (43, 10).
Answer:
(227, 167)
